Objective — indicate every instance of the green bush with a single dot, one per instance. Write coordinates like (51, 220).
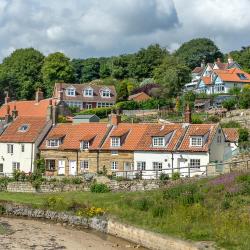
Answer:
(56, 203)
(231, 124)
(213, 119)
(16, 175)
(99, 188)
(243, 135)
(196, 119)
(176, 176)
(76, 180)
(164, 177)
(100, 112)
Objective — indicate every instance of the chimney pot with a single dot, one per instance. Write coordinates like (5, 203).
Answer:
(188, 114)
(115, 119)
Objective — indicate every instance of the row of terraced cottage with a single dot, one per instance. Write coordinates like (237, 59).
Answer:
(29, 130)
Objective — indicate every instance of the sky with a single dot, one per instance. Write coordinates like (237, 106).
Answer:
(93, 28)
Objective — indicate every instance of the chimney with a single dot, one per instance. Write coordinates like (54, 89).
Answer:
(7, 116)
(39, 95)
(187, 114)
(14, 112)
(49, 110)
(54, 114)
(218, 60)
(115, 119)
(7, 98)
(230, 59)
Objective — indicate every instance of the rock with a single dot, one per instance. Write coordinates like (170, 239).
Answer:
(102, 179)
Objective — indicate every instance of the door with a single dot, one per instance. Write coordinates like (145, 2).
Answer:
(182, 166)
(72, 168)
(61, 167)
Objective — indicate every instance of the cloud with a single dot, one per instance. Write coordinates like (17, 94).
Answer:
(89, 28)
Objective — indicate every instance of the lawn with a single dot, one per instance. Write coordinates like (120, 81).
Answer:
(211, 209)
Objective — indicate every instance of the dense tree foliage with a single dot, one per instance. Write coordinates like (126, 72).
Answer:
(56, 68)
(20, 73)
(196, 50)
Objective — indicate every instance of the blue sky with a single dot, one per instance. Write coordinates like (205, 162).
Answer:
(90, 28)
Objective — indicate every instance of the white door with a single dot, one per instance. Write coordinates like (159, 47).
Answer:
(72, 167)
(61, 167)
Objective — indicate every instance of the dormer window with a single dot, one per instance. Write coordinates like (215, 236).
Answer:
(115, 142)
(84, 145)
(105, 93)
(70, 92)
(88, 92)
(23, 128)
(242, 76)
(53, 143)
(196, 141)
(158, 141)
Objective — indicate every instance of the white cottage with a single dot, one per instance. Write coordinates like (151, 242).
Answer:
(19, 143)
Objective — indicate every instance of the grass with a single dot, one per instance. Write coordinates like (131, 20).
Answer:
(2, 229)
(211, 209)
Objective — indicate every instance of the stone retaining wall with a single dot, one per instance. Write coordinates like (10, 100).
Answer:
(139, 236)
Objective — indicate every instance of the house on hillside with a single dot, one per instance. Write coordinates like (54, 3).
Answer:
(85, 96)
(19, 143)
(139, 97)
(232, 139)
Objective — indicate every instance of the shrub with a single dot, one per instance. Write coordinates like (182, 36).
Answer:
(4, 182)
(16, 175)
(76, 180)
(225, 205)
(196, 119)
(56, 203)
(213, 119)
(243, 135)
(99, 188)
(2, 210)
(100, 112)
(231, 124)
(90, 212)
(176, 176)
(66, 180)
(164, 177)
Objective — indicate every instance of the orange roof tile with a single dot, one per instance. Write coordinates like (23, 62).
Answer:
(74, 132)
(13, 134)
(231, 134)
(230, 75)
(118, 132)
(207, 80)
(198, 130)
(87, 137)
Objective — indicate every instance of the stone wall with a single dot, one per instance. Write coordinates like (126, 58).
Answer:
(139, 236)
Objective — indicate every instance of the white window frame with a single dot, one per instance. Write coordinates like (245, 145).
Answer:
(15, 166)
(70, 92)
(84, 145)
(88, 92)
(196, 141)
(157, 166)
(105, 93)
(22, 148)
(158, 141)
(89, 105)
(53, 143)
(115, 142)
(141, 165)
(195, 163)
(114, 165)
(84, 165)
(10, 148)
(24, 128)
(76, 104)
(48, 166)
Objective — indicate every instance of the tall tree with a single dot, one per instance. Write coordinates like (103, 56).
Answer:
(90, 70)
(56, 67)
(172, 75)
(196, 50)
(20, 73)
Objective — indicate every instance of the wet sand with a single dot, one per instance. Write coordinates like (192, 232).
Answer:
(25, 234)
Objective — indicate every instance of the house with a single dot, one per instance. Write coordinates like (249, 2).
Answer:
(139, 97)
(72, 149)
(232, 138)
(19, 143)
(85, 96)
(85, 118)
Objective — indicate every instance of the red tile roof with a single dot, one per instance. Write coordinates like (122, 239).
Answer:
(198, 70)
(139, 97)
(27, 108)
(198, 130)
(231, 134)
(230, 75)
(75, 132)
(207, 80)
(35, 127)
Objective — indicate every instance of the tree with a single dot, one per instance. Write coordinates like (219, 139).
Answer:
(244, 99)
(243, 135)
(20, 73)
(172, 75)
(120, 67)
(90, 70)
(196, 50)
(56, 67)
(77, 65)
(229, 104)
(122, 91)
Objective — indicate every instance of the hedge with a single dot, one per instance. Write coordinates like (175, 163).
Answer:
(100, 112)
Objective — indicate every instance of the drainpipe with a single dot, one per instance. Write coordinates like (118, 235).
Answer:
(172, 162)
(76, 162)
(98, 160)
(31, 168)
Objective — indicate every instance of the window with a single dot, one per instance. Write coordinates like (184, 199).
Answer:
(196, 141)
(50, 165)
(84, 166)
(15, 166)
(158, 141)
(114, 165)
(157, 166)
(219, 139)
(84, 144)
(242, 76)
(195, 163)
(10, 148)
(115, 142)
(53, 143)
(88, 92)
(23, 128)
(141, 165)
(114, 152)
(70, 92)
(75, 104)
(104, 104)
(22, 148)
(1, 167)
(105, 93)
(89, 106)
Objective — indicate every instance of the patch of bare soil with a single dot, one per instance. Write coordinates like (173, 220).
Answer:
(25, 234)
